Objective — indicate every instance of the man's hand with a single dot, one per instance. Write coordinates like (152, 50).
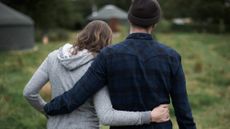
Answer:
(160, 114)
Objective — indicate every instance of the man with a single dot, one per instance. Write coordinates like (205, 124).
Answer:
(139, 72)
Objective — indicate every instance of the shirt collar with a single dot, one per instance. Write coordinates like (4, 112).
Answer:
(144, 36)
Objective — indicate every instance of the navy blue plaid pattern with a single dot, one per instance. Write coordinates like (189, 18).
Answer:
(140, 74)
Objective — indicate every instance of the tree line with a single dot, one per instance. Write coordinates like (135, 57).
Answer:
(72, 14)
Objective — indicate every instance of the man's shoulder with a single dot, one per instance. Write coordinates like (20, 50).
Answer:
(159, 48)
(164, 49)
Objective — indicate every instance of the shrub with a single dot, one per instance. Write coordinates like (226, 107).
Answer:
(197, 27)
(164, 26)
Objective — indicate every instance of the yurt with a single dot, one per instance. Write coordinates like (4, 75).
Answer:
(16, 30)
(110, 13)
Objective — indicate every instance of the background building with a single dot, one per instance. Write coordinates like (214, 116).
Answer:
(16, 30)
(111, 14)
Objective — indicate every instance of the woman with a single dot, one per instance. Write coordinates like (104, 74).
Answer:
(63, 67)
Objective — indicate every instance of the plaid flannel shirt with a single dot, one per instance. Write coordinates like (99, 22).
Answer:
(140, 74)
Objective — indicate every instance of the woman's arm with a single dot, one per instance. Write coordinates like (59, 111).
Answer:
(31, 90)
(112, 117)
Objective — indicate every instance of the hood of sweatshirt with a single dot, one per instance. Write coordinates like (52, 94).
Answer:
(71, 62)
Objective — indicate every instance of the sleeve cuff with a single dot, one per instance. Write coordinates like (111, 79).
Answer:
(146, 117)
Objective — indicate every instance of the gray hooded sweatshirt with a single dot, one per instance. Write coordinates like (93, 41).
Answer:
(63, 70)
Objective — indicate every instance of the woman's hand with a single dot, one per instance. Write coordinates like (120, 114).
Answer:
(160, 114)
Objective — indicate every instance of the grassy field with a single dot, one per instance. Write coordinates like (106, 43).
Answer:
(205, 57)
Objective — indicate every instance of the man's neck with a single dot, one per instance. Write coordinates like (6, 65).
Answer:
(140, 30)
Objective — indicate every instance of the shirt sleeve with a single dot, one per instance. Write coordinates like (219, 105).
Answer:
(31, 90)
(180, 99)
(112, 117)
(93, 80)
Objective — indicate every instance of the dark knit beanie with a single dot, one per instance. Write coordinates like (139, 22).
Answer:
(144, 13)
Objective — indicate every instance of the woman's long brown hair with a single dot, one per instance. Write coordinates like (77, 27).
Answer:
(95, 36)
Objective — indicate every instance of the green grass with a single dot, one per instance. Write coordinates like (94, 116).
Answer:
(205, 59)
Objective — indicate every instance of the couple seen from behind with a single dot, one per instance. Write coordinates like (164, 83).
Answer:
(125, 86)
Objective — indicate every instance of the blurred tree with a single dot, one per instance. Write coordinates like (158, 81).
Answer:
(227, 12)
(82, 8)
(213, 14)
(211, 11)
(175, 8)
(46, 13)
(61, 13)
